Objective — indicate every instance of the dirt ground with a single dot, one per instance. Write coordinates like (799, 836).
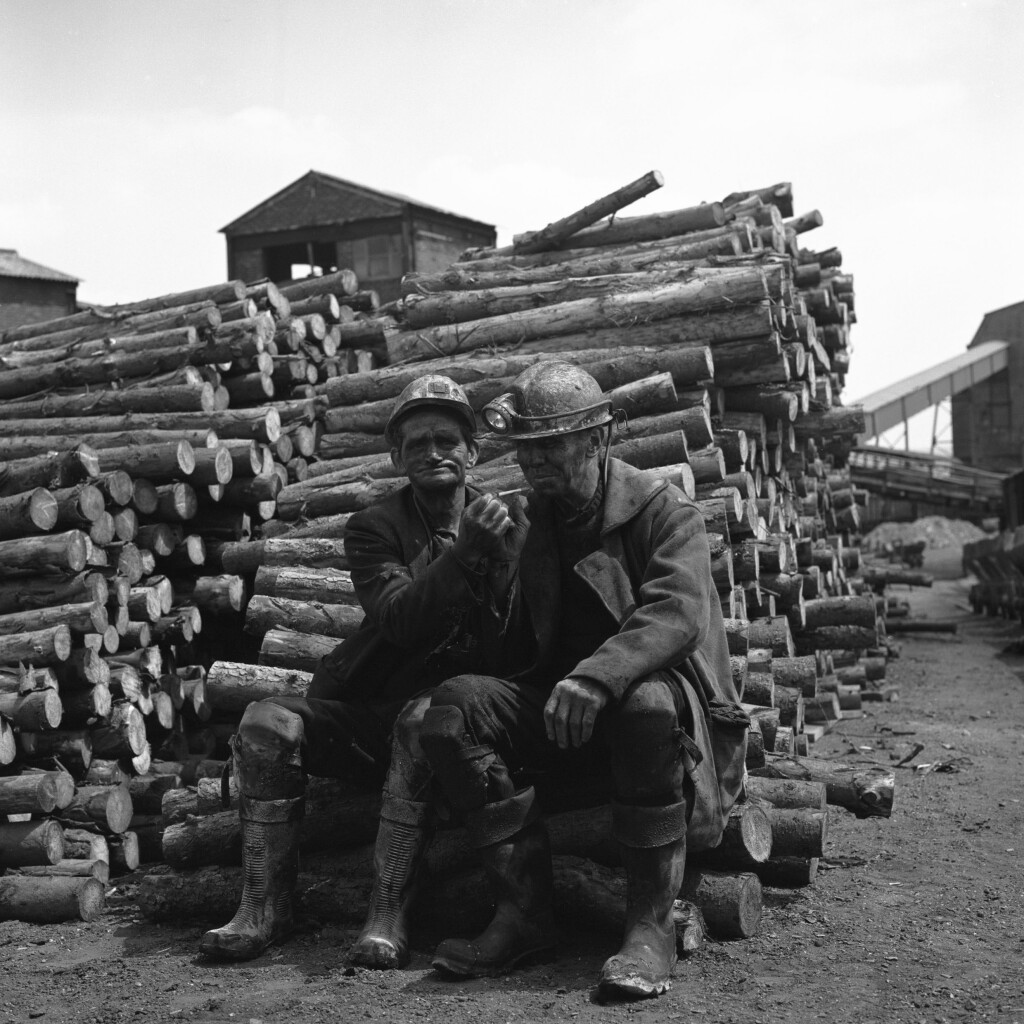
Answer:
(918, 918)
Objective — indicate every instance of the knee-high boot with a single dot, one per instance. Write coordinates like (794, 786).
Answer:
(270, 836)
(518, 867)
(654, 875)
(402, 838)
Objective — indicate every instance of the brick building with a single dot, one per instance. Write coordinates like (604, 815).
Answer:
(31, 293)
(320, 223)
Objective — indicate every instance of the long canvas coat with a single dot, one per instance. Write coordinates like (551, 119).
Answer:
(653, 575)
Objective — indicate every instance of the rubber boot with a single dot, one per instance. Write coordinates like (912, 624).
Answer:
(643, 966)
(270, 861)
(383, 943)
(523, 928)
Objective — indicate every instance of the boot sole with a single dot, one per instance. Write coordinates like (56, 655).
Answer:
(626, 989)
(215, 952)
(460, 970)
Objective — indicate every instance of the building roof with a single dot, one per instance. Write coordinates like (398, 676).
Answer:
(897, 402)
(13, 265)
(317, 198)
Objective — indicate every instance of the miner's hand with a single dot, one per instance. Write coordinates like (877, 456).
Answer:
(571, 711)
(510, 545)
(484, 522)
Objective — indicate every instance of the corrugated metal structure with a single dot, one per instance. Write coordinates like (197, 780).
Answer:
(31, 293)
(895, 404)
(321, 223)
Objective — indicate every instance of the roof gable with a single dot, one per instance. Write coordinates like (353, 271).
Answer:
(13, 265)
(316, 199)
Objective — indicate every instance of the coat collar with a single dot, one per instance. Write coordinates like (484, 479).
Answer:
(629, 491)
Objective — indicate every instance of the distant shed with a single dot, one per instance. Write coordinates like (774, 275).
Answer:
(988, 418)
(31, 293)
(320, 223)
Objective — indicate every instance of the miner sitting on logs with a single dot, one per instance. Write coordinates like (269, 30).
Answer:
(418, 561)
(616, 666)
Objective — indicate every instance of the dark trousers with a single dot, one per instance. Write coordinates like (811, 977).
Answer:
(634, 756)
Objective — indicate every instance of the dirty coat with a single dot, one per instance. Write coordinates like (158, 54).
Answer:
(652, 574)
(425, 617)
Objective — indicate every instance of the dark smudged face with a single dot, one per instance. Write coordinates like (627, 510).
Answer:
(557, 467)
(433, 450)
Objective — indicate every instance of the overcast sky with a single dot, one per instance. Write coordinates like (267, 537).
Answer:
(132, 132)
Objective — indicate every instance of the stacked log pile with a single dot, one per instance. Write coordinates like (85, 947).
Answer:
(138, 438)
(724, 341)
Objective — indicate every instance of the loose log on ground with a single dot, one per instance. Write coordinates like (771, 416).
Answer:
(867, 791)
(50, 900)
(731, 903)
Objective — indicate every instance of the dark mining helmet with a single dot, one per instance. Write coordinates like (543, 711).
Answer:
(546, 400)
(431, 390)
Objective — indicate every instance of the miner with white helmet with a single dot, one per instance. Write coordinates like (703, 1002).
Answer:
(615, 665)
(419, 565)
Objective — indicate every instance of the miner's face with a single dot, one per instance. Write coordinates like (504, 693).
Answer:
(433, 450)
(560, 467)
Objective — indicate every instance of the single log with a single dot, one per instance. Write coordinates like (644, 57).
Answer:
(798, 673)
(840, 611)
(70, 868)
(264, 613)
(32, 711)
(61, 551)
(786, 793)
(286, 648)
(50, 900)
(123, 736)
(867, 791)
(558, 231)
(108, 402)
(746, 841)
(299, 583)
(47, 646)
(231, 686)
(841, 638)
(29, 512)
(81, 618)
(731, 903)
(773, 634)
(110, 807)
(26, 843)
(29, 793)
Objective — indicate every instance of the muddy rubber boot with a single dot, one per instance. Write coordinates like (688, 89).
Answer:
(270, 862)
(523, 928)
(643, 966)
(383, 943)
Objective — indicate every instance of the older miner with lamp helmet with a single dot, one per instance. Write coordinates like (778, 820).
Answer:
(614, 664)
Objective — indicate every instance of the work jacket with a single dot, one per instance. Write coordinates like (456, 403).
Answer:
(424, 613)
(652, 573)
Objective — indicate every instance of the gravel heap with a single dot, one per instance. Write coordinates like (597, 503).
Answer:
(936, 531)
